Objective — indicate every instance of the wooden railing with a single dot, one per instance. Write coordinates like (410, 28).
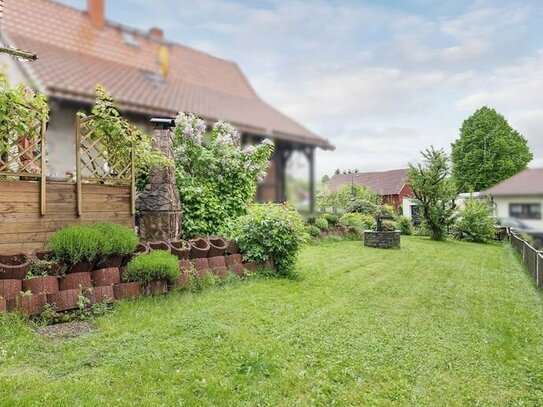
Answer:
(532, 258)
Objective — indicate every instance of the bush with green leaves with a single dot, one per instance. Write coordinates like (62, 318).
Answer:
(313, 231)
(404, 225)
(388, 226)
(116, 239)
(474, 223)
(156, 265)
(357, 221)
(321, 223)
(362, 206)
(270, 232)
(77, 243)
(216, 176)
(332, 219)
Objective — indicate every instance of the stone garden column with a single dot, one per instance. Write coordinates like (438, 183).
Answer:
(159, 204)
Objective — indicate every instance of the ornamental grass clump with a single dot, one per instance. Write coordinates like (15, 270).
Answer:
(271, 232)
(117, 240)
(157, 265)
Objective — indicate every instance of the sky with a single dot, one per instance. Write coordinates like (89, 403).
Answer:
(382, 80)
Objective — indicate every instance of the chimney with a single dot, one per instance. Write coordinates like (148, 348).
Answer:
(96, 10)
(156, 33)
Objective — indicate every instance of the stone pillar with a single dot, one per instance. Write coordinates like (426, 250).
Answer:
(159, 204)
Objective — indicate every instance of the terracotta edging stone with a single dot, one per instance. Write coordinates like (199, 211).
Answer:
(107, 276)
(199, 248)
(217, 246)
(10, 288)
(27, 304)
(97, 295)
(64, 300)
(41, 285)
(127, 291)
(217, 261)
(14, 266)
(181, 248)
(233, 259)
(158, 246)
(156, 287)
(75, 281)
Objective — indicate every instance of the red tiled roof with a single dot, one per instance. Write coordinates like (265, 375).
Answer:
(527, 182)
(75, 56)
(383, 183)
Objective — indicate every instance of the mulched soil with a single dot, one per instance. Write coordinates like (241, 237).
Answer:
(66, 330)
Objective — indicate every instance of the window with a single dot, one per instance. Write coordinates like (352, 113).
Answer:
(525, 210)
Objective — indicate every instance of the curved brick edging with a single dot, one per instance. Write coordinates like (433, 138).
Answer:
(382, 239)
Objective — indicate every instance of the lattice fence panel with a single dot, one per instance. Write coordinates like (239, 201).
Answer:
(23, 155)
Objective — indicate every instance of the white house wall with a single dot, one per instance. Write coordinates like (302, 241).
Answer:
(502, 208)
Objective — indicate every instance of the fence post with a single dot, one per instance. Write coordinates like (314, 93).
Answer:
(78, 164)
(43, 170)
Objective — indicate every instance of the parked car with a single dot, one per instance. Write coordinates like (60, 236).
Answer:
(520, 226)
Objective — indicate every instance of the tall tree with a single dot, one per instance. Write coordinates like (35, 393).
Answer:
(434, 190)
(488, 151)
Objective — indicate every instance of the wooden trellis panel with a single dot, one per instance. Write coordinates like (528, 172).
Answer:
(97, 164)
(24, 156)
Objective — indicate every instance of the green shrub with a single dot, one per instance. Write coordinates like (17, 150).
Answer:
(332, 219)
(157, 265)
(357, 221)
(116, 239)
(98, 241)
(40, 268)
(270, 232)
(404, 225)
(362, 206)
(388, 226)
(313, 231)
(321, 223)
(311, 220)
(474, 223)
(74, 244)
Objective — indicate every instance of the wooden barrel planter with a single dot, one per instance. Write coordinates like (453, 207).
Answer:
(75, 281)
(64, 300)
(217, 246)
(101, 294)
(232, 247)
(41, 285)
(180, 248)
(27, 304)
(106, 276)
(159, 246)
(127, 291)
(199, 248)
(14, 266)
(10, 288)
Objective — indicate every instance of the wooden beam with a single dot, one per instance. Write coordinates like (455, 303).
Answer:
(311, 158)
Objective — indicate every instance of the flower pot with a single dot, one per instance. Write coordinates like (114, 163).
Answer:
(217, 246)
(27, 304)
(159, 246)
(233, 259)
(82, 267)
(105, 277)
(220, 271)
(156, 287)
(75, 281)
(217, 261)
(101, 294)
(184, 265)
(127, 291)
(181, 248)
(14, 266)
(201, 264)
(232, 247)
(199, 248)
(41, 285)
(250, 266)
(43, 254)
(237, 269)
(10, 288)
(64, 300)
(3, 305)
(141, 248)
(183, 278)
(112, 262)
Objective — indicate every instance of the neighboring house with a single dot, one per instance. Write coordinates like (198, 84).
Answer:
(390, 185)
(148, 76)
(521, 197)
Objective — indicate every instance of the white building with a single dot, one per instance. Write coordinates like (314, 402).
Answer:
(521, 197)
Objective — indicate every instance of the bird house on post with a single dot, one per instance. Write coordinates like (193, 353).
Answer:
(159, 204)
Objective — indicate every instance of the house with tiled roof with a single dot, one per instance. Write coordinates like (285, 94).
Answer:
(390, 185)
(148, 76)
(520, 197)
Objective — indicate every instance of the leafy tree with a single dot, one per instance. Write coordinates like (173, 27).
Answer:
(475, 223)
(434, 190)
(488, 151)
(348, 193)
(325, 178)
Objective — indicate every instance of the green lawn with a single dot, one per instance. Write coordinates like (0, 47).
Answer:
(435, 324)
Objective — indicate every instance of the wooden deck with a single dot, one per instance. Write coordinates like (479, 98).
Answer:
(22, 228)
